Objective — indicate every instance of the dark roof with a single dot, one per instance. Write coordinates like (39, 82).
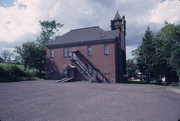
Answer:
(117, 16)
(115, 33)
(82, 35)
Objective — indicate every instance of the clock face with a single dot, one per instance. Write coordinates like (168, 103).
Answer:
(117, 24)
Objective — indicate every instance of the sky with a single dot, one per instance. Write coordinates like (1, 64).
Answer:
(19, 19)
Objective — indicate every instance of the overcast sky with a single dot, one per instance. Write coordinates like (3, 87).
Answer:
(19, 19)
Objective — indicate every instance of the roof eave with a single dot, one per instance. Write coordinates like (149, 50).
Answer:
(111, 40)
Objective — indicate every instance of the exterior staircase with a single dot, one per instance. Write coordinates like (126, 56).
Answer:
(87, 69)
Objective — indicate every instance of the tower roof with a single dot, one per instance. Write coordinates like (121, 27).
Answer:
(117, 16)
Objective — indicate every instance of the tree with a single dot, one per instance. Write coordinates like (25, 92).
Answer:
(175, 56)
(145, 54)
(175, 62)
(1, 59)
(27, 54)
(33, 54)
(6, 55)
(131, 67)
(48, 30)
(166, 43)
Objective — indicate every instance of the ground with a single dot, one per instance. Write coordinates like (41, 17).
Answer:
(83, 101)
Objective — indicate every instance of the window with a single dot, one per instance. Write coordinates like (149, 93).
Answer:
(67, 52)
(106, 49)
(89, 50)
(52, 53)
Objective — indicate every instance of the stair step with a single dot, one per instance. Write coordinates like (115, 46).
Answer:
(65, 80)
(83, 63)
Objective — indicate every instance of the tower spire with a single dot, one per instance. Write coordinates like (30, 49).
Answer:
(117, 16)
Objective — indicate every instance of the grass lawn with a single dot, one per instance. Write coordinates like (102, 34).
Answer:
(137, 82)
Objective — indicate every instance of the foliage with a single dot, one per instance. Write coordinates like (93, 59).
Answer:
(175, 60)
(28, 54)
(166, 43)
(1, 59)
(175, 56)
(33, 54)
(10, 72)
(48, 29)
(145, 54)
(131, 67)
(159, 55)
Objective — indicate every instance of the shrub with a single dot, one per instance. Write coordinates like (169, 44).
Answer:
(9, 73)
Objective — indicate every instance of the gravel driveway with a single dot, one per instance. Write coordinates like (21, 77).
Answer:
(47, 100)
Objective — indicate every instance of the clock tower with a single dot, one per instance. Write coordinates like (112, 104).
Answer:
(119, 24)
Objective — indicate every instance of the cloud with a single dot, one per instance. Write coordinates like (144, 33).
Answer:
(16, 21)
(129, 49)
(20, 21)
(166, 11)
(135, 31)
(24, 38)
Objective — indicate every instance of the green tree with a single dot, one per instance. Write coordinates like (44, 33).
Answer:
(166, 43)
(175, 56)
(1, 59)
(175, 62)
(33, 54)
(145, 54)
(131, 67)
(27, 54)
(48, 30)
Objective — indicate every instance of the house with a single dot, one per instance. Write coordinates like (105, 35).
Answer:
(90, 53)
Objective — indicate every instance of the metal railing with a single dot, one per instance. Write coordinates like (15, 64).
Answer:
(90, 71)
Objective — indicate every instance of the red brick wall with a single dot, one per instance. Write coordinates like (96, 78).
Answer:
(105, 63)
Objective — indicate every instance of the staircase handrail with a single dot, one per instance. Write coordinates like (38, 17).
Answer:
(81, 57)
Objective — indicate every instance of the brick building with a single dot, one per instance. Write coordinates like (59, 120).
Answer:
(90, 53)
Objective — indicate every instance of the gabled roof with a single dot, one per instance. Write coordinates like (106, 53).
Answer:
(117, 16)
(82, 35)
(114, 33)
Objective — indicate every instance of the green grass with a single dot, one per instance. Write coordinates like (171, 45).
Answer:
(148, 84)
(177, 87)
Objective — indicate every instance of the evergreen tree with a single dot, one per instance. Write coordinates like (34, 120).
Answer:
(145, 54)
(131, 67)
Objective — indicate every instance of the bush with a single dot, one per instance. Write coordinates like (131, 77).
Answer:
(10, 73)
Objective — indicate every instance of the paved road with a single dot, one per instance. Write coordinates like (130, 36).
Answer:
(82, 101)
